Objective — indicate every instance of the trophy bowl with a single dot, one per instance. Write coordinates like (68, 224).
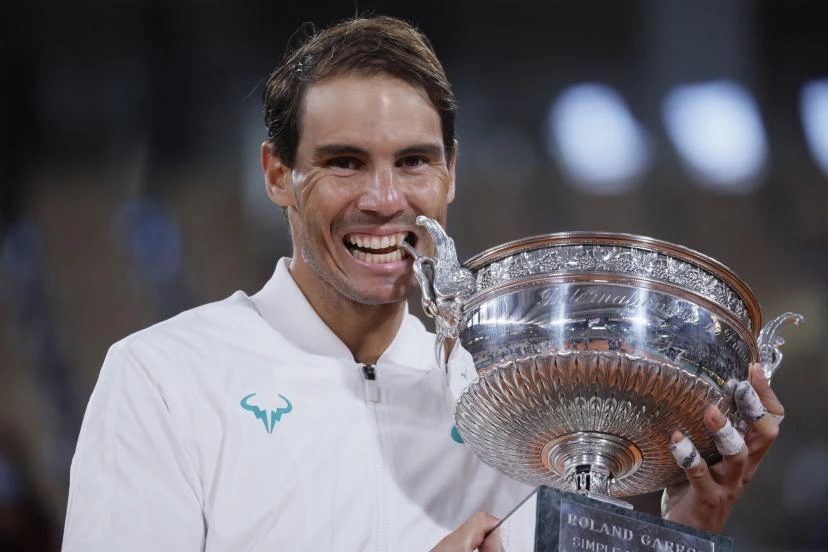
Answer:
(590, 349)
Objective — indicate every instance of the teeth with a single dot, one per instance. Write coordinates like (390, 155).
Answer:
(378, 259)
(376, 242)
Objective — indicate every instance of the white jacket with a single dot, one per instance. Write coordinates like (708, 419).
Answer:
(247, 425)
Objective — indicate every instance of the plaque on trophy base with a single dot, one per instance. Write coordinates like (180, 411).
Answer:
(550, 520)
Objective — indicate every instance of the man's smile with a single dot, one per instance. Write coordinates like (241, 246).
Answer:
(378, 248)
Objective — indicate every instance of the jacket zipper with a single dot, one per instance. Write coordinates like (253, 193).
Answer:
(372, 397)
(372, 391)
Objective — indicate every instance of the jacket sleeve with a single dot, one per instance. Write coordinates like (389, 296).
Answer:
(133, 484)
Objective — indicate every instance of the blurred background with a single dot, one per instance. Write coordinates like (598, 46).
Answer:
(130, 187)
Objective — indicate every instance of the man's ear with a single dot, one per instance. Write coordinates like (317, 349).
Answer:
(277, 176)
(452, 166)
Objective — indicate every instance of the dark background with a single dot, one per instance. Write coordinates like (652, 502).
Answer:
(130, 187)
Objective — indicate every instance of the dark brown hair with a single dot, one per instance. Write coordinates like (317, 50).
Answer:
(366, 46)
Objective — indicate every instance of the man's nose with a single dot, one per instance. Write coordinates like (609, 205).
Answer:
(383, 194)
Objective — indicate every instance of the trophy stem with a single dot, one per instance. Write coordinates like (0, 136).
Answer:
(591, 461)
(585, 479)
(595, 484)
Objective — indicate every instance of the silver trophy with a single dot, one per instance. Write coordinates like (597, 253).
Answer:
(590, 350)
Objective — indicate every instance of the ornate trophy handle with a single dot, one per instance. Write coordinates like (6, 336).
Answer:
(769, 343)
(444, 285)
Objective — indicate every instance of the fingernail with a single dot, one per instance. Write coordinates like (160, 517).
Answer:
(718, 418)
(748, 402)
(728, 441)
(685, 453)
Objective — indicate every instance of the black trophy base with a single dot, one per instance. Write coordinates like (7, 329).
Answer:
(550, 520)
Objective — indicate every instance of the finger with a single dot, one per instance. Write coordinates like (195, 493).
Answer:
(762, 387)
(688, 457)
(469, 536)
(748, 402)
(731, 445)
(684, 451)
(491, 544)
(764, 428)
(479, 525)
(729, 442)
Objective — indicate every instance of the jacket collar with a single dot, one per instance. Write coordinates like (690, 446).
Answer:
(286, 309)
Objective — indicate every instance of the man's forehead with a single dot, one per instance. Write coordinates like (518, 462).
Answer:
(352, 94)
(350, 107)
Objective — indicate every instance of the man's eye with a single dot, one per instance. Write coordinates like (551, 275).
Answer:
(345, 163)
(412, 161)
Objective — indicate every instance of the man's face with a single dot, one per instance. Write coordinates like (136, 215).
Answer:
(370, 159)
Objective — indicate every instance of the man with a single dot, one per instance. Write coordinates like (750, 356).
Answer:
(311, 416)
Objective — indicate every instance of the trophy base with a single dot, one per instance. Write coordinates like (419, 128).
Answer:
(549, 520)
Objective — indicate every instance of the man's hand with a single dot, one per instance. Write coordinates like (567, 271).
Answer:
(706, 500)
(470, 536)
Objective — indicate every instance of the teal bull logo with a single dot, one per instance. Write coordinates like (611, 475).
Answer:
(275, 415)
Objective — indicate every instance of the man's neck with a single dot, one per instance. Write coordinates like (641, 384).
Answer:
(367, 330)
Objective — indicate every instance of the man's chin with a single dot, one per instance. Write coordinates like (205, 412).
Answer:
(389, 296)
(375, 299)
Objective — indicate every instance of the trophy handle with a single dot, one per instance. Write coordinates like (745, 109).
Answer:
(444, 285)
(769, 343)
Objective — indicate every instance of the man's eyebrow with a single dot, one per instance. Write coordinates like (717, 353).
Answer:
(428, 148)
(332, 150)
